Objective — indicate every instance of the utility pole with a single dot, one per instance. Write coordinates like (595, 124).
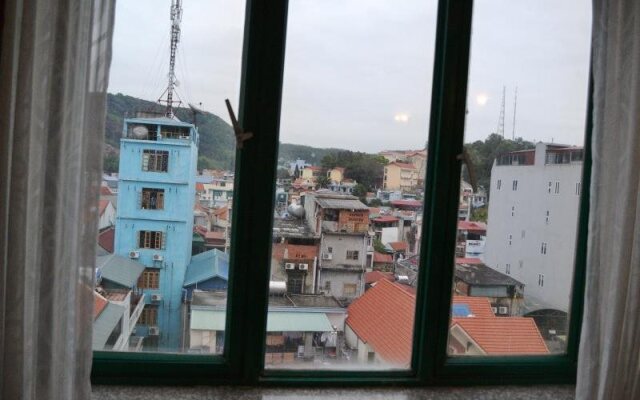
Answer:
(176, 18)
(500, 130)
(515, 104)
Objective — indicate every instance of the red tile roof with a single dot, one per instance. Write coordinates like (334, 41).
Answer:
(201, 230)
(479, 306)
(214, 235)
(103, 206)
(504, 336)
(105, 191)
(382, 258)
(222, 213)
(106, 239)
(398, 246)
(199, 187)
(383, 318)
(472, 226)
(99, 303)
(375, 276)
(314, 168)
(406, 203)
(385, 218)
(471, 261)
(402, 165)
(294, 251)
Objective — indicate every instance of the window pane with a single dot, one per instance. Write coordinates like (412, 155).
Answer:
(162, 264)
(352, 162)
(524, 134)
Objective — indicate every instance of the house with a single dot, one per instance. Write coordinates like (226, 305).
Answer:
(311, 173)
(154, 223)
(296, 265)
(533, 211)
(336, 175)
(208, 271)
(382, 262)
(400, 176)
(471, 239)
(107, 214)
(342, 222)
(379, 325)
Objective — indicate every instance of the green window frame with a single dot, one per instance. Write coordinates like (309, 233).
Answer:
(259, 112)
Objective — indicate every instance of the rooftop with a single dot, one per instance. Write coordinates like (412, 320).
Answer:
(120, 270)
(504, 336)
(207, 265)
(482, 275)
(291, 228)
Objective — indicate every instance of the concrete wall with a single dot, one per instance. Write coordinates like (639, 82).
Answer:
(518, 225)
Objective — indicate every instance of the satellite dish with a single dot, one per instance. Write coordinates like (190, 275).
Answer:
(140, 131)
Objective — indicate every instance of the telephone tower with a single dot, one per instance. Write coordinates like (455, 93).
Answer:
(176, 18)
(500, 130)
(515, 104)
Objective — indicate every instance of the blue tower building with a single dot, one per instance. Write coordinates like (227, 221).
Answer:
(154, 224)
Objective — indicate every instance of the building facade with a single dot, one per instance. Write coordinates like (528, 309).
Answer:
(400, 176)
(533, 216)
(154, 224)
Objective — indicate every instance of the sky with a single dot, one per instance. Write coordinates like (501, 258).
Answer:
(358, 72)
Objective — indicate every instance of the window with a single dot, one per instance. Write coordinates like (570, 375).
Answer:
(499, 184)
(550, 185)
(522, 234)
(513, 211)
(260, 112)
(349, 289)
(578, 186)
(546, 220)
(510, 238)
(329, 249)
(352, 254)
(557, 191)
(507, 269)
(515, 185)
(295, 282)
(543, 248)
(150, 240)
(149, 316)
(155, 160)
(152, 199)
(541, 280)
(150, 279)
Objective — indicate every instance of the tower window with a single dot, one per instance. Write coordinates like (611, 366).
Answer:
(155, 160)
(151, 240)
(152, 199)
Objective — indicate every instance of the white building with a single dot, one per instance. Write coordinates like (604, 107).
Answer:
(533, 216)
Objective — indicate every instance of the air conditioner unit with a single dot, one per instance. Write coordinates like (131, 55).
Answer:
(494, 310)
(303, 267)
(157, 257)
(134, 254)
(289, 266)
(154, 331)
(156, 297)
(503, 310)
(327, 256)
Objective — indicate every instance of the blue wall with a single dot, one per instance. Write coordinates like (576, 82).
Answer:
(175, 220)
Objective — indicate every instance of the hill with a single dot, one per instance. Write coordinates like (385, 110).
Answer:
(217, 143)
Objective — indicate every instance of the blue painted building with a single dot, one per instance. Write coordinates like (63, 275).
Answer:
(208, 271)
(154, 224)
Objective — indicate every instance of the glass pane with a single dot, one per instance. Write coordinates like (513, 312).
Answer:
(524, 134)
(165, 202)
(352, 161)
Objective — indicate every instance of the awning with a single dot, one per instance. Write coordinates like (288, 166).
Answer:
(277, 321)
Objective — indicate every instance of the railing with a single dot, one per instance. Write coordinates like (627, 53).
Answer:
(135, 311)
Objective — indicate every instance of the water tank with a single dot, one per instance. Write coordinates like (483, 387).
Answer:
(277, 287)
(296, 210)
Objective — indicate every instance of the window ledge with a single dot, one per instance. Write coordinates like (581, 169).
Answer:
(556, 392)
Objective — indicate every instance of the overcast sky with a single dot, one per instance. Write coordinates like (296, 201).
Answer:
(358, 72)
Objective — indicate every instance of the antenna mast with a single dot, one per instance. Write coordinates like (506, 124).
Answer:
(176, 18)
(500, 130)
(515, 104)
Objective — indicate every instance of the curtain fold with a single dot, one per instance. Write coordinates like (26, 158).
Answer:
(609, 358)
(54, 63)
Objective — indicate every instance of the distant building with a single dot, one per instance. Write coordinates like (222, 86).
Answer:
(533, 215)
(336, 175)
(311, 173)
(154, 224)
(417, 158)
(400, 176)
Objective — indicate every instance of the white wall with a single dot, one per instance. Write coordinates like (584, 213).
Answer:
(530, 203)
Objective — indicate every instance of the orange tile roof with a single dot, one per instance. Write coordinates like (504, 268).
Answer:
(375, 276)
(472, 226)
(383, 318)
(382, 258)
(294, 251)
(504, 336)
(398, 246)
(402, 165)
(222, 213)
(214, 235)
(99, 303)
(479, 306)
(105, 191)
(385, 218)
(471, 261)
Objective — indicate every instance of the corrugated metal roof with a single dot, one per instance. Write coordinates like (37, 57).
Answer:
(120, 270)
(344, 204)
(105, 324)
(277, 321)
(207, 265)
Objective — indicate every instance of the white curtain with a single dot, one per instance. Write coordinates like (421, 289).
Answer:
(609, 360)
(54, 63)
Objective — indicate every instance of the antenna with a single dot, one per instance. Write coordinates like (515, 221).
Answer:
(176, 18)
(515, 104)
(500, 130)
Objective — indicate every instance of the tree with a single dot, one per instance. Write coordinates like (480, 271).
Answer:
(283, 173)
(359, 190)
(378, 246)
(110, 163)
(480, 214)
(323, 181)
